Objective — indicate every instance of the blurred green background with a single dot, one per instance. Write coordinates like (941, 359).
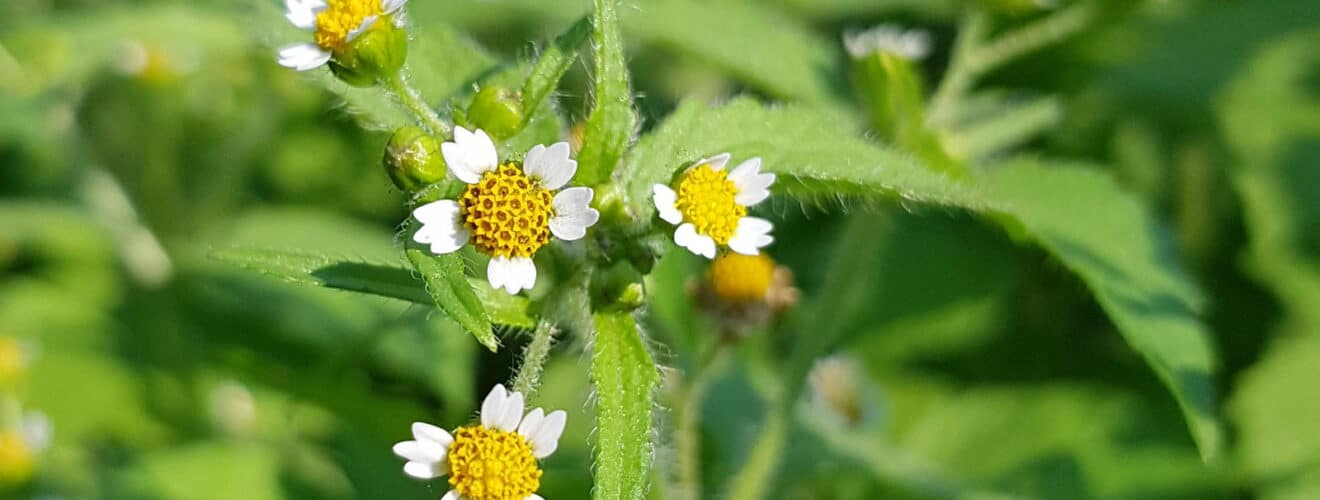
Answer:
(137, 136)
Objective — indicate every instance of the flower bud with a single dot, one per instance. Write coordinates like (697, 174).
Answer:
(375, 55)
(413, 159)
(496, 110)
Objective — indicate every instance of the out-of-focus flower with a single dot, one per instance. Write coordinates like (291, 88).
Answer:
(836, 387)
(710, 207)
(508, 211)
(233, 409)
(745, 291)
(20, 446)
(912, 44)
(496, 459)
(14, 360)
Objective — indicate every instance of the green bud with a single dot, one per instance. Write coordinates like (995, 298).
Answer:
(618, 287)
(413, 159)
(374, 56)
(496, 110)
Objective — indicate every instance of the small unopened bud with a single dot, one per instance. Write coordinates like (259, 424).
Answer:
(374, 56)
(413, 159)
(496, 110)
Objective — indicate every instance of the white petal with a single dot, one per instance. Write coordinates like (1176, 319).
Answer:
(421, 451)
(519, 274)
(37, 430)
(546, 440)
(442, 226)
(497, 271)
(686, 236)
(423, 470)
(665, 202)
(390, 6)
(751, 183)
(492, 409)
(302, 13)
(303, 56)
(363, 27)
(470, 155)
(429, 433)
(573, 213)
(534, 496)
(513, 412)
(716, 162)
(551, 165)
(751, 234)
(531, 423)
(452, 495)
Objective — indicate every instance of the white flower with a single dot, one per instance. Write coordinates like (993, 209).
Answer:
(913, 44)
(37, 430)
(506, 212)
(505, 441)
(710, 207)
(334, 25)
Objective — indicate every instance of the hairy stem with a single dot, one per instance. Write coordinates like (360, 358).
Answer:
(687, 432)
(534, 357)
(412, 99)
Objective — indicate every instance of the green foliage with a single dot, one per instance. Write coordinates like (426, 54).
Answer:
(625, 377)
(610, 126)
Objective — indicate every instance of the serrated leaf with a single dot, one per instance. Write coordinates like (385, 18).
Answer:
(366, 277)
(1104, 236)
(768, 51)
(812, 154)
(610, 126)
(447, 283)
(625, 378)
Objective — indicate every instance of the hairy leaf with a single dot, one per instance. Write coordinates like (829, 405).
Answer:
(551, 66)
(625, 378)
(610, 126)
(448, 285)
(365, 277)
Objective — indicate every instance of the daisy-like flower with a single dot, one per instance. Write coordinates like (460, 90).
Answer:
(492, 460)
(911, 44)
(710, 207)
(508, 211)
(335, 24)
(20, 447)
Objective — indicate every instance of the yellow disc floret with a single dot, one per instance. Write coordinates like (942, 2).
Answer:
(507, 213)
(741, 279)
(705, 198)
(340, 18)
(16, 460)
(491, 464)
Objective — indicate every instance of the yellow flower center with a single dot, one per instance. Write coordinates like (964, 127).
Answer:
(705, 197)
(16, 464)
(507, 213)
(741, 279)
(491, 464)
(340, 18)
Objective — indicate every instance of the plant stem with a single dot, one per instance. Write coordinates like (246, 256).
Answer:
(687, 432)
(529, 374)
(412, 99)
(751, 482)
(961, 71)
(971, 58)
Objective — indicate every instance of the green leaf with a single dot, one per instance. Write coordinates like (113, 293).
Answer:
(812, 154)
(448, 285)
(206, 471)
(365, 277)
(769, 51)
(610, 126)
(625, 378)
(1280, 436)
(551, 66)
(1106, 238)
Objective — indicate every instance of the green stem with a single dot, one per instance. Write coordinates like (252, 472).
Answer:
(687, 434)
(962, 71)
(529, 374)
(752, 481)
(412, 99)
(973, 59)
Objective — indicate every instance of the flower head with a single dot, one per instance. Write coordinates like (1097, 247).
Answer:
(508, 211)
(912, 44)
(496, 459)
(335, 25)
(19, 448)
(710, 207)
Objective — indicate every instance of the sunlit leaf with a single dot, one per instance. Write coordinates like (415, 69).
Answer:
(625, 377)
